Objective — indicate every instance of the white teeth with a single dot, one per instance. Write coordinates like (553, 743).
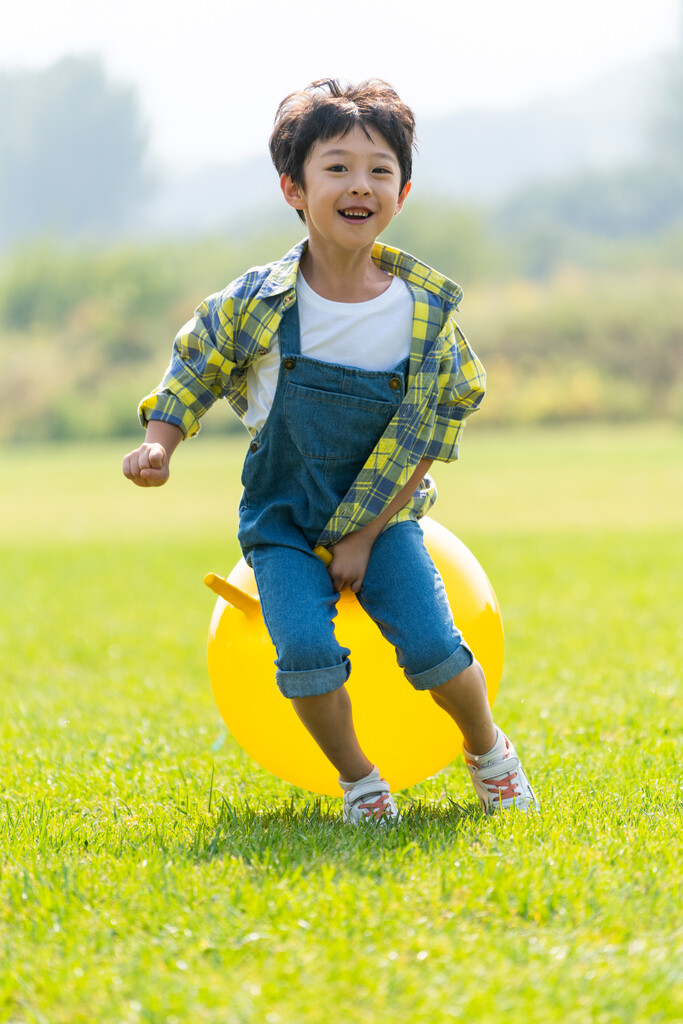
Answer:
(357, 216)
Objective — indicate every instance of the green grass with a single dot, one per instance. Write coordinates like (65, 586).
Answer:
(151, 873)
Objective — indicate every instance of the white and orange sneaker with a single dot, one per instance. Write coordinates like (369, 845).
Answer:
(498, 778)
(369, 800)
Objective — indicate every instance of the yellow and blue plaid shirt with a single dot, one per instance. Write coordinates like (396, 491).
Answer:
(232, 328)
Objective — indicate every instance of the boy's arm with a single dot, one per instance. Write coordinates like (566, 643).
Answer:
(148, 465)
(350, 556)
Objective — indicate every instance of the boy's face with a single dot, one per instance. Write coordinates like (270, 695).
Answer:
(351, 190)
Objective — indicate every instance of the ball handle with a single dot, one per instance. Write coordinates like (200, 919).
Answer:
(233, 595)
(323, 554)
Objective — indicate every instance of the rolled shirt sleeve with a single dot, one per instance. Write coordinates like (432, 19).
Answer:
(202, 361)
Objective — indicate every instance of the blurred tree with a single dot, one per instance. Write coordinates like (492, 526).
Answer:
(635, 201)
(72, 150)
(639, 200)
(453, 238)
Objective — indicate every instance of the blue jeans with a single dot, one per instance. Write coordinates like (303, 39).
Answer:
(402, 592)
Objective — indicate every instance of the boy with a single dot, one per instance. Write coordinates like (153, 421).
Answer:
(345, 363)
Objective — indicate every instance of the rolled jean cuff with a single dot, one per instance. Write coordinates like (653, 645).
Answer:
(460, 659)
(313, 682)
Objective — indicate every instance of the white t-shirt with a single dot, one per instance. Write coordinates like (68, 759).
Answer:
(372, 335)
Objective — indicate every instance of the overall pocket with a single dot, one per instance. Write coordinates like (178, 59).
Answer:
(328, 426)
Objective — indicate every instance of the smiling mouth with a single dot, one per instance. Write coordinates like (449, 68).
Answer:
(359, 215)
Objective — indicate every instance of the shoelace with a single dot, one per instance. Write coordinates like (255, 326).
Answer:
(377, 808)
(504, 788)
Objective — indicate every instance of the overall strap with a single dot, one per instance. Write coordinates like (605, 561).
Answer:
(290, 339)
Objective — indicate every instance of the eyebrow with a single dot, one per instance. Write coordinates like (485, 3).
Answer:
(382, 155)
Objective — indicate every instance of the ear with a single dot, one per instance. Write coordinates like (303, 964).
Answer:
(403, 194)
(293, 193)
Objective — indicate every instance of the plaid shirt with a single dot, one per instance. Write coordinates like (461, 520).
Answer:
(446, 381)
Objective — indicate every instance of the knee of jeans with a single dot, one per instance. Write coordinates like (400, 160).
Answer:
(306, 650)
(439, 672)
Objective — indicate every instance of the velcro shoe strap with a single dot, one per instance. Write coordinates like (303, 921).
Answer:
(503, 768)
(374, 787)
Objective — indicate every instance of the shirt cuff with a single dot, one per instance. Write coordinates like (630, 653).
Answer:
(445, 443)
(164, 406)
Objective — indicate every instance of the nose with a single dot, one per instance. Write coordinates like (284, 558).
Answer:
(360, 186)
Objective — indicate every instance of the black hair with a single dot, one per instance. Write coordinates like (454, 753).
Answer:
(326, 109)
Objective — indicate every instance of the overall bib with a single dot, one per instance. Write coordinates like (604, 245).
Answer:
(324, 422)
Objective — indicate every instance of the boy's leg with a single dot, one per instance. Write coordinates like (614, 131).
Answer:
(329, 720)
(299, 605)
(404, 593)
(492, 762)
(464, 698)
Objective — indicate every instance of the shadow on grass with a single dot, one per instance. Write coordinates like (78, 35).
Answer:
(296, 833)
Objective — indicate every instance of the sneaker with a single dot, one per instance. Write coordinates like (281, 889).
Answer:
(498, 778)
(369, 800)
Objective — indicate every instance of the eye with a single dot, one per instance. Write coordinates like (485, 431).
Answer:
(382, 170)
(337, 168)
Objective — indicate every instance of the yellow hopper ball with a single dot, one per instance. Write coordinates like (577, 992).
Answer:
(400, 729)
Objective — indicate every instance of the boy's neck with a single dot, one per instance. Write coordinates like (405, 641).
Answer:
(343, 277)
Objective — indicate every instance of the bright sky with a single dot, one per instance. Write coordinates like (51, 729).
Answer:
(210, 73)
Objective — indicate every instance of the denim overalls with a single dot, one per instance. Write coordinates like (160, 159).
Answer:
(324, 422)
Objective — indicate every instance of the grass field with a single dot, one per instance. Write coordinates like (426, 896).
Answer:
(150, 872)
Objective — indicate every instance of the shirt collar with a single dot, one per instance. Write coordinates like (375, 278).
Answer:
(282, 276)
(412, 270)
